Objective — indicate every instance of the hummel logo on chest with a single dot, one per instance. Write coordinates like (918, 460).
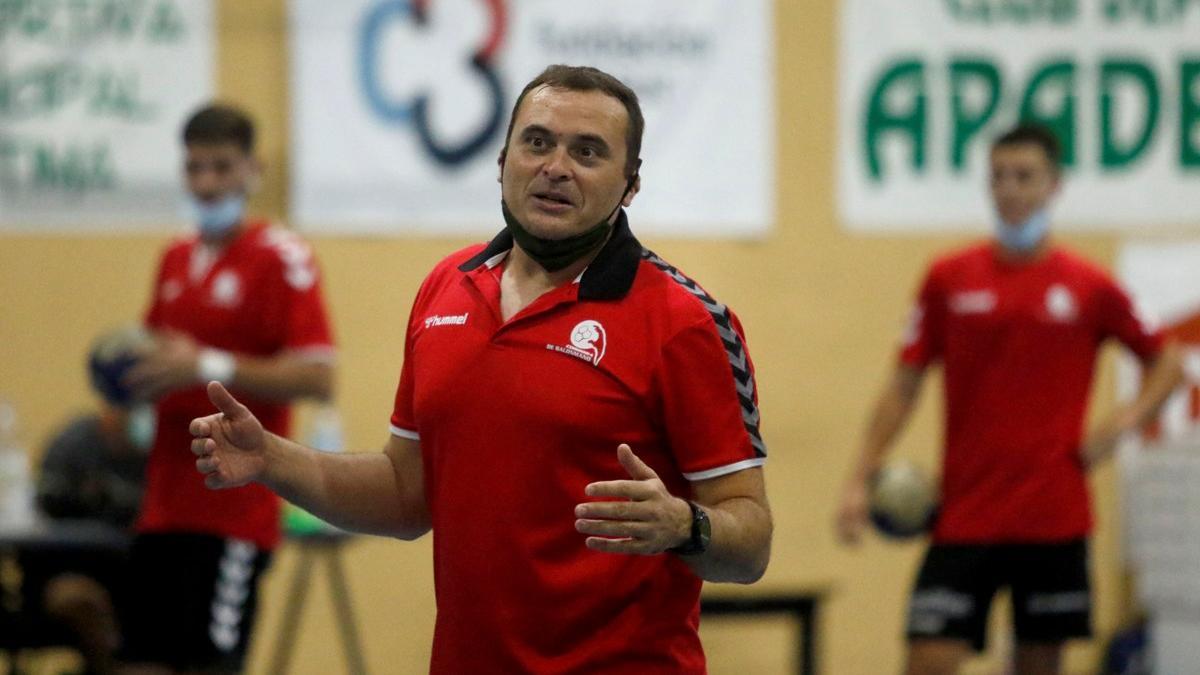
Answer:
(448, 320)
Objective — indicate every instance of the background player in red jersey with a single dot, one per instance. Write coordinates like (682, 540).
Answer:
(238, 302)
(1016, 323)
(564, 393)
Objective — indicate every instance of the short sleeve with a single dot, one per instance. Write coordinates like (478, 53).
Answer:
(1120, 319)
(403, 421)
(710, 399)
(305, 321)
(308, 322)
(924, 333)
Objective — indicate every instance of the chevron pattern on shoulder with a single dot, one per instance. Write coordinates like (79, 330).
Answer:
(735, 349)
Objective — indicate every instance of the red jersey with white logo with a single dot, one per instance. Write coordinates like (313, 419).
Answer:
(259, 296)
(1018, 344)
(515, 418)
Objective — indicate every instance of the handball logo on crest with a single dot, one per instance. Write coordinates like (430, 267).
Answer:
(415, 111)
(588, 342)
(1060, 304)
(588, 336)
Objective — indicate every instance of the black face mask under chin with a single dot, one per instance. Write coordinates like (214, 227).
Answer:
(557, 254)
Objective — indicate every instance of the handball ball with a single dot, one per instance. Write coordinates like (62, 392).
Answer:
(903, 500)
(111, 355)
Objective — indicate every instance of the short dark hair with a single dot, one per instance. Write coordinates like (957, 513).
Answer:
(1029, 133)
(220, 123)
(586, 78)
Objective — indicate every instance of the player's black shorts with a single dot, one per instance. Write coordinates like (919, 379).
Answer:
(1051, 595)
(191, 601)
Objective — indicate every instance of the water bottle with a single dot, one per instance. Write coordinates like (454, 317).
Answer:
(16, 482)
(324, 435)
(325, 429)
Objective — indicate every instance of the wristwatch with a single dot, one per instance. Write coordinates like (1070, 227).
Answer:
(701, 532)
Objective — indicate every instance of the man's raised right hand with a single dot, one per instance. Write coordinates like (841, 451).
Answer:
(230, 446)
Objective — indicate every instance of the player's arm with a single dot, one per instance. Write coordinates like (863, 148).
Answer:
(179, 362)
(892, 411)
(284, 377)
(649, 520)
(710, 417)
(1163, 373)
(376, 493)
(301, 368)
(740, 517)
(380, 493)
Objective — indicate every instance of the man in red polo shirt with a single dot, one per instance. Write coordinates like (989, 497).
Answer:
(1016, 323)
(238, 302)
(576, 420)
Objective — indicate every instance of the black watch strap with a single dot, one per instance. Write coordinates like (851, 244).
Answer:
(701, 532)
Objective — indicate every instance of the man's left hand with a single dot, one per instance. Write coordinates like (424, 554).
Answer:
(170, 366)
(647, 520)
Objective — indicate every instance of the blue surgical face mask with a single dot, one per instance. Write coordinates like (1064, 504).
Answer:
(216, 219)
(1024, 237)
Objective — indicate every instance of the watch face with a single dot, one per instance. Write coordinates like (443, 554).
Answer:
(701, 532)
(703, 529)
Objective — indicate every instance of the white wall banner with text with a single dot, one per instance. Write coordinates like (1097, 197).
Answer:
(92, 97)
(923, 88)
(399, 108)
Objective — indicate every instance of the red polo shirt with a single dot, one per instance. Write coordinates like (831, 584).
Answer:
(515, 418)
(1018, 344)
(260, 295)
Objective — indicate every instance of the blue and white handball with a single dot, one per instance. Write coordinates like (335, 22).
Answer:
(112, 355)
(904, 501)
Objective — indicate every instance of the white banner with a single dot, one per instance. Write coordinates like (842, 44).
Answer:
(1160, 471)
(1163, 278)
(924, 87)
(399, 108)
(92, 97)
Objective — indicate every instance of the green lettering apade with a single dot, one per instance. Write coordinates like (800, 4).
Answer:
(908, 74)
(967, 123)
(1112, 154)
(1061, 121)
(1189, 114)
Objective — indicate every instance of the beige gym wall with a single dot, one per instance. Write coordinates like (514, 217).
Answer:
(822, 309)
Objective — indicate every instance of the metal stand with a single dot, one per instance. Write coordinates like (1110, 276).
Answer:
(803, 607)
(329, 548)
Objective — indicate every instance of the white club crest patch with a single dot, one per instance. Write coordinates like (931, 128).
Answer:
(588, 342)
(1060, 303)
(227, 289)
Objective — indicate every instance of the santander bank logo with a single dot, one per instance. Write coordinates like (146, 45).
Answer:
(378, 55)
(588, 342)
